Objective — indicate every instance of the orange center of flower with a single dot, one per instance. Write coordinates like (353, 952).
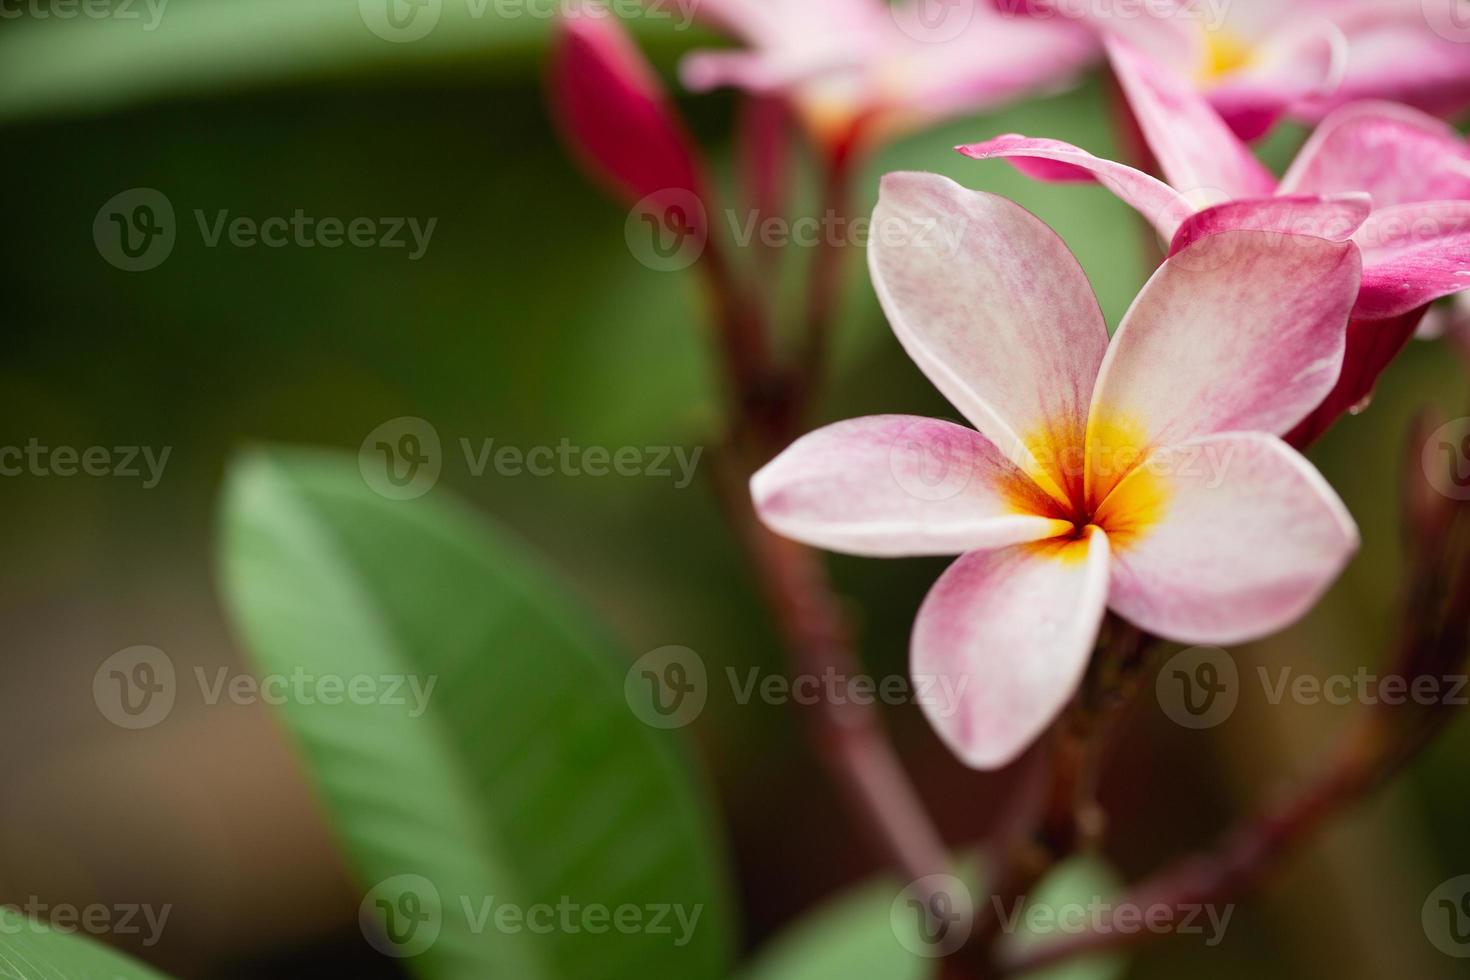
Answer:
(1105, 483)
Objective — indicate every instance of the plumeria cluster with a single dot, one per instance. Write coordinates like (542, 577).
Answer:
(1155, 474)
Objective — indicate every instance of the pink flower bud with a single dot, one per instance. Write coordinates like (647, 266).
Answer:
(614, 112)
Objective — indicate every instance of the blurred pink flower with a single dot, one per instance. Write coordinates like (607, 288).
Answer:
(855, 69)
(1413, 171)
(1258, 59)
(1144, 475)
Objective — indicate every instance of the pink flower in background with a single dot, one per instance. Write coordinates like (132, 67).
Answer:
(1143, 475)
(1256, 60)
(860, 68)
(1411, 168)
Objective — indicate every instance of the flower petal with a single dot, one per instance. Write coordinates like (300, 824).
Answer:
(1395, 153)
(992, 60)
(1055, 161)
(1334, 218)
(993, 308)
(1249, 538)
(1413, 254)
(1006, 636)
(899, 485)
(1241, 331)
(1409, 51)
(1199, 154)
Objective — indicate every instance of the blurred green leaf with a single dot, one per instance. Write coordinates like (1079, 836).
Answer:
(1084, 882)
(857, 936)
(849, 938)
(528, 780)
(135, 50)
(32, 950)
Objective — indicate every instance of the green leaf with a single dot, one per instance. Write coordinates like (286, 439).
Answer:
(1084, 882)
(849, 938)
(860, 936)
(32, 950)
(525, 788)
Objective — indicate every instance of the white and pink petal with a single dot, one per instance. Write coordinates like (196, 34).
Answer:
(899, 485)
(995, 310)
(1241, 331)
(1397, 154)
(1003, 640)
(1244, 537)
(1058, 162)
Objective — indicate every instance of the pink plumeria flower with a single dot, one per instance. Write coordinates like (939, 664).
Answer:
(863, 68)
(1256, 60)
(1143, 475)
(1395, 179)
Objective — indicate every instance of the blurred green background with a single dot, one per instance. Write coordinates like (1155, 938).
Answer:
(526, 321)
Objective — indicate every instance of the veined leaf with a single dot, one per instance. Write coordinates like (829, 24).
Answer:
(32, 950)
(514, 818)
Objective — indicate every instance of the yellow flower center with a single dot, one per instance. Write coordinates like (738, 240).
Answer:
(1224, 53)
(1106, 483)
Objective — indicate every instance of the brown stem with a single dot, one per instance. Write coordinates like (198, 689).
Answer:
(848, 736)
(825, 284)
